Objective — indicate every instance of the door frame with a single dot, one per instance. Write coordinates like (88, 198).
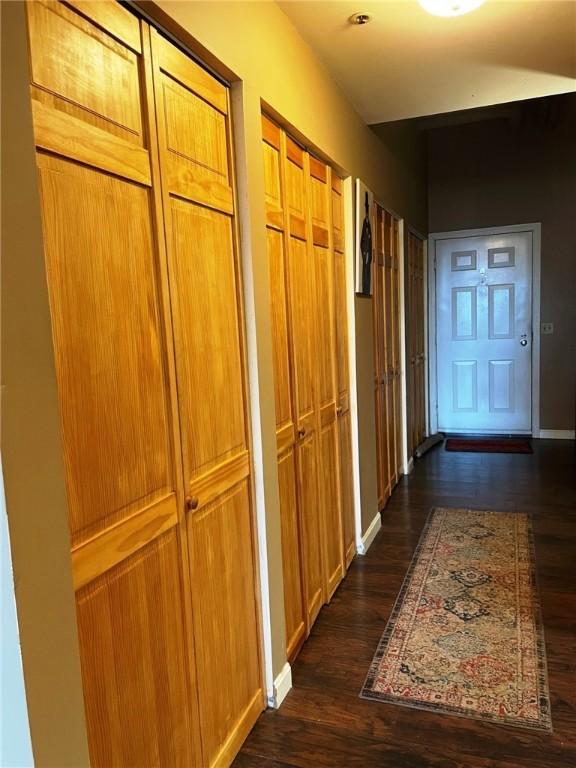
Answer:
(427, 344)
(536, 230)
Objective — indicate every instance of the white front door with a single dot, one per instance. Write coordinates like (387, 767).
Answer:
(484, 333)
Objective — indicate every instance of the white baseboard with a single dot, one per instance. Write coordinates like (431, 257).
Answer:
(556, 434)
(282, 685)
(370, 535)
(410, 466)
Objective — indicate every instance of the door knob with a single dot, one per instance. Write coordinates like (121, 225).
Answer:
(523, 342)
(339, 410)
(192, 502)
(301, 432)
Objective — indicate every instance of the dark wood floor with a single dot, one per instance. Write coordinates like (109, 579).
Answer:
(323, 722)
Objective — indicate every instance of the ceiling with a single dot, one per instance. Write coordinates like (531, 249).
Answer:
(406, 63)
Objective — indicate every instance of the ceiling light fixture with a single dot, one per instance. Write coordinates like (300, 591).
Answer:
(450, 7)
(360, 18)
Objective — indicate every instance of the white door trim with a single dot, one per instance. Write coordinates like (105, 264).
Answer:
(348, 198)
(536, 230)
(557, 434)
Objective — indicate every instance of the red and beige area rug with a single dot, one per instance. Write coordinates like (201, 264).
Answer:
(465, 636)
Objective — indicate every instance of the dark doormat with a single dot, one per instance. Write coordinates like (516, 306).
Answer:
(489, 445)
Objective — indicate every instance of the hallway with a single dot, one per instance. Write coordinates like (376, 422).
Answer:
(253, 255)
(323, 722)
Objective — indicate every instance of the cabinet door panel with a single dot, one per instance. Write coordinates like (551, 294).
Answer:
(131, 633)
(302, 286)
(108, 344)
(74, 59)
(325, 323)
(224, 612)
(341, 310)
(209, 365)
(307, 457)
(280, 337)
(332, 521)
(291, 553)
(384, 444)
(346, 489)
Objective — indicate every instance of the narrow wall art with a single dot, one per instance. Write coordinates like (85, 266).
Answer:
(364, 202)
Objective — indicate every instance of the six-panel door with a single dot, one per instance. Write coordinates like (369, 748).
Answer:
(484, 333)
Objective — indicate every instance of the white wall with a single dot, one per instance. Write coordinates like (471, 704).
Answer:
(15, 746)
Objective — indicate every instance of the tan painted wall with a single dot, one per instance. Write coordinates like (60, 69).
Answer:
(31, 445)
(256, 46)
(517, 172)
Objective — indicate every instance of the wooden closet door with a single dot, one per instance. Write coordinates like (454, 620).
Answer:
(325, 359)
(382, 309)
(410, 322)
(342, 373)
(416, 342)
(105, 262)
(377, 334)
(302, 302)
(274, 146)
(206, 292)
(397, 350)
(391, 329)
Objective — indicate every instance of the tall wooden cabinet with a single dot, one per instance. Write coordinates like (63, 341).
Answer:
(137, 193)
(416, 341)
(307, 290)
(386, 304)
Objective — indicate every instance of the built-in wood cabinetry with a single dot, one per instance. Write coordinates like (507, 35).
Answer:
(416, 342)
(386, 303)
(308, 308)
(137, 192)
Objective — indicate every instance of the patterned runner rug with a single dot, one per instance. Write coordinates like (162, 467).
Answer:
(465, 635)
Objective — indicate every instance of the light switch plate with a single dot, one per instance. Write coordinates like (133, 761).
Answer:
(547, 328)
